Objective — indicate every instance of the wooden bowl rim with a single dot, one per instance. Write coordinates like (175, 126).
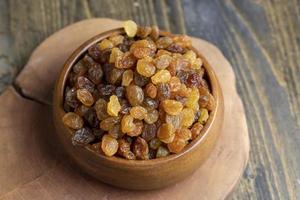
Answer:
(73, 58)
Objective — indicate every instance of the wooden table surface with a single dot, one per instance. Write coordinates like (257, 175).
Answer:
(260, 38)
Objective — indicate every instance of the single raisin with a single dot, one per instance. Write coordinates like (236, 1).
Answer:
(155, 143)
(193, 80)
(115, 76)
(172, 107)
(163, 61)
(115, 53)
(151, 117)
(203, 115)
(120, 92)
(85, 97)
(162, 152)
(177, 145)
(162, 76)
(106, 90)
(125, 61)
(109, 123)
(81, 110)
(140, 148)
(149, 132)
(95, 73)
(116, 39)
(145, 68)
(100, 108)
(163, 42)
(127, 77)
(71, 98)
(109, 145)
(151, 90)
(175, 120)
(187, 117)
(130, 28)
(138, 112)
(196, 130)
(137, 128)
(150, 104)
(127, 124)
(166, 133)
(154, 32)
(113, 106)
(83, 136)
(72, 120)
(140, 80)
(163, 91)
(105, 44)
(91, 117)
(135, 95)
(85, 83)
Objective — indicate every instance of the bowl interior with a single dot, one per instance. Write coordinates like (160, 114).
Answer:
(80, 51)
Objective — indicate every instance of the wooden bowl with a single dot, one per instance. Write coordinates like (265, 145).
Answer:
(138, 174)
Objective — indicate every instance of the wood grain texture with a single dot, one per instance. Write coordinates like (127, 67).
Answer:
(259, 37)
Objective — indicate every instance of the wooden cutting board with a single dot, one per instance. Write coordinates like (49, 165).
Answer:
(32, 165)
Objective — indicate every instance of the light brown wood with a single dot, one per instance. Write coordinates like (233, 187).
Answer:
(46, 173)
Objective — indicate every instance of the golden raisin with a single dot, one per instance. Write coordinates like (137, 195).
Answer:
(151, 117)
(138, 112)
(184, 133)
(109, 145)
(115, 53)
(187, 117)
(175, 120)
(106, 44)
(197, 64)
(127, 77)
(203, 116)
(109, 123)
(143, 31)
(151, 90)
(100, 107)
(124, 149)
(127, 124)
(163, 61)
(163, 42)
(162, 76)
(113, 106)
(196, 130)
(166, 133)
(134, 94)
(211, 103)
(127, 60)
(116, 39)
(145, 68)
(85, 97)
(177, 145)
(172, 107)
(137, 129)
(190, 55)
(174, 84)
(161, 52)
(193, 98)
(130, 28)
(72, 120)
(154, 32)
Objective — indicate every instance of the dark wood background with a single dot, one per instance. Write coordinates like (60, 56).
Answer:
(260, 38)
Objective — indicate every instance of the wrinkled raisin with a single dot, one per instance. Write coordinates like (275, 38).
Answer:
(154, 143)
(106, 90)
(138, 127)
(91, 117)
(172, 107)
(125, 61)
(149, 131)
(163, 91)
(196, 130)
(162, 152)
(138, 112)
(140, 80)
(203, 116)
(71, 98)
(120, 92)
(127, 124)
(150, 104)
(72, 120)
(177, 145)
(85, 97)
(166, 133)
(151, 90)
(109, 145)
(83, 136)
(130, 28)
(187, 117)
(105, 44)
(143, 31)
(95, 73)
(113, 106)
(163, 42)
(100, 108)
(151, 117)
(175, 120)
(109, 123)
(163, 61)
(145, 68)
(162, 76)
(85, 83)
(135, 95)
(127, 77)
(140, 148)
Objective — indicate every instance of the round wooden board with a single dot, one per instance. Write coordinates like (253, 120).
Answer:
(32, 165)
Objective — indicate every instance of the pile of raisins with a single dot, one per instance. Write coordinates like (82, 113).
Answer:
(138, 95)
